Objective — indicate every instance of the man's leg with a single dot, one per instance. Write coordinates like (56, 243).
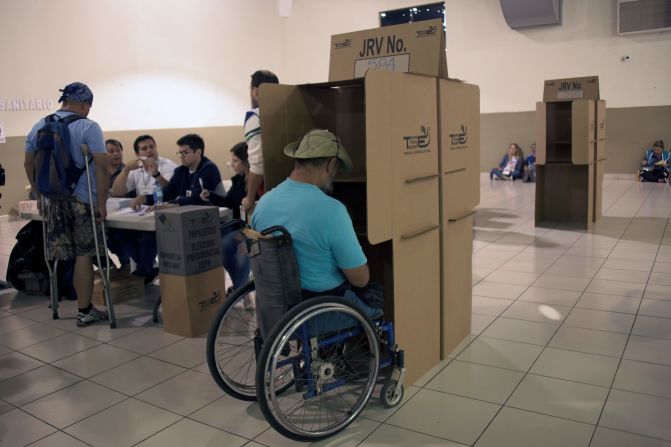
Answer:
(83, 281)
(148, 252)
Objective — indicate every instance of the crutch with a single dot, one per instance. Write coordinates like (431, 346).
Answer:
(53, 271)
(104, 271)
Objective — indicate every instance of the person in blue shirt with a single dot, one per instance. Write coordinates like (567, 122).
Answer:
(511, 165)
(530, 165)
(655, 164)
(329, 256)
(69, 224)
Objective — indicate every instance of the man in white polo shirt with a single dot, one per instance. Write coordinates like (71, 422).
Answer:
(139, 178)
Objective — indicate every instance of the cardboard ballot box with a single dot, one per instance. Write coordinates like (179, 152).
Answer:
(188, 239)
(417, 47)
(570, 152)
(121, 288)
(190, 303)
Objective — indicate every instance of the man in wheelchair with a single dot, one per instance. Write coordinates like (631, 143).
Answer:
(329, 256)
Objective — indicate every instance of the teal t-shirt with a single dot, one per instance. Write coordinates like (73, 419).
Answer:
(322, 231)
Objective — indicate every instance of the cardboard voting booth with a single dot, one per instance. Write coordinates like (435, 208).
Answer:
(191, 277)
(570, 152)
(413, 140)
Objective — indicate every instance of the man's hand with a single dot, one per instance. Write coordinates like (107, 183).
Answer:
(101, 213)
(133, 165)
(644, 163)
(137, 202)
(248, 204)
(205, 195)
(152, 166)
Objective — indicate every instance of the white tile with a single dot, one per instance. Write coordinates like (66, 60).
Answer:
(627, 264)
(521, 331)
(652, 327)
(95, 360)
(637, 413)
(146, 340)
(184, 393)
(188, 353)
(616, 288)
(501, 353)
(515, 278)
(445, 416)
(476, 381)
(137, 375)
(350, 437)
(58, 439)
(15, 363)
(600, 320)
(589, 341)
(479, 275)
(73, 404)
(188, 432)
(497, 290)
(661, 267)
(550, 296)
(623, 275)
(656, 308)
(644, 378)
(540, 312)
(30, 335)
(526, 266)
(5, 407)
(576, 366)
(103, 332)
(480, 322)
(661, 279)
(19, 428)
(647, 349)
(375, 411)
(388, 435)
(461, 346)
(571, 400)
(561, 282)
(611, 303)
(124, 424)
(242, 418)
(519, 428)
(573, 270)
(59, 347)
(657, 292)
(483, 305)
(13, 323)
(607, 437)
(34, 384)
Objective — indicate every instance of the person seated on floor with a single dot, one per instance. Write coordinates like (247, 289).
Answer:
(511, 165)
(234, 251)
(530, 165)
(329, 256)
(655, 164)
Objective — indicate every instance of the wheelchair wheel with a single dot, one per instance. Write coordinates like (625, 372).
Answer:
(328, 350)
(231, 351)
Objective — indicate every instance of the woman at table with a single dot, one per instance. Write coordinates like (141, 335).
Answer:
(235, 258)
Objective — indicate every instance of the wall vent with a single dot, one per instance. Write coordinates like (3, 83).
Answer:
(526, 13)
(643, 16)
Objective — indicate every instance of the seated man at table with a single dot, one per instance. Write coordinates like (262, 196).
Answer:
(139, 179)
(115, 244)
(196, 174)
(329, 256)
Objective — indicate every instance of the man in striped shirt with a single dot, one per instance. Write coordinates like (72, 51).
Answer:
(253, 138)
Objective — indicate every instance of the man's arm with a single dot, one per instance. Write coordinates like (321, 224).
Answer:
(358, 276)
(29, 164)
(253, 184)
(120, 185)
(101, 162)
(255, 159)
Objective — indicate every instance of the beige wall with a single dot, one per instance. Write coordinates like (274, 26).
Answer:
(629, 132)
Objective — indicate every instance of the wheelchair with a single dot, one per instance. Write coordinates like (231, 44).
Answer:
(311, 364)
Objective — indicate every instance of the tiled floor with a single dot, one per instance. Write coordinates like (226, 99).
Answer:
(571, 346)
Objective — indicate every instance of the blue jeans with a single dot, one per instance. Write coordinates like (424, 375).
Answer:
(235, 260)
(115, 245)
(141, 247)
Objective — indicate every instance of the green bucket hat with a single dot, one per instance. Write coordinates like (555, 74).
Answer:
(319, 143)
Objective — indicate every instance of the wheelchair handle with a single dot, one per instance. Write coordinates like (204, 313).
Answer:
(274, 229)
(234, 224)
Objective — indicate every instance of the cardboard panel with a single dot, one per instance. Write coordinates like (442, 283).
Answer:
(285, 118)
(188, 239)
(121, 288)
(601, 119)
(541, 111)
(600, 150)
(570, 89)
(565, 195)
(417, 300)
(417, 47)
(459, 118)
(459, 195)
(191, 302)
(456, 284)
(583, 131)
(599, 168)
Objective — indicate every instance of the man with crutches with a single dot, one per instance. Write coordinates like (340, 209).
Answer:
(64, 151)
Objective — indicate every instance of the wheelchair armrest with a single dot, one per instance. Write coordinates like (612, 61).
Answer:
(232, 225)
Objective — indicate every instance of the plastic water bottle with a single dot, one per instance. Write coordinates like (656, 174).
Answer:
(158, 195)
